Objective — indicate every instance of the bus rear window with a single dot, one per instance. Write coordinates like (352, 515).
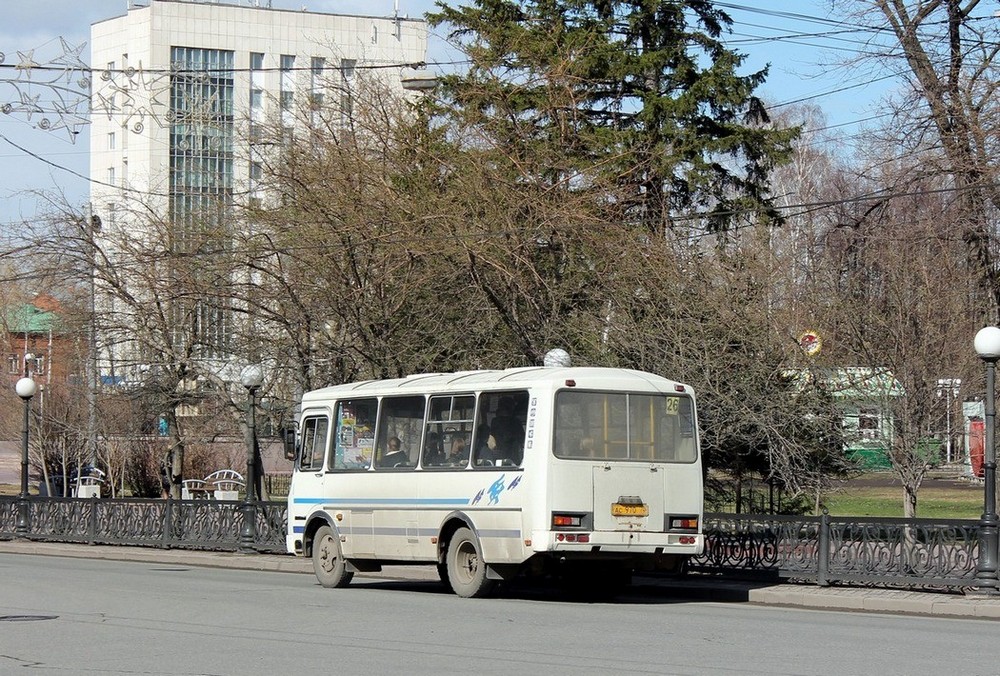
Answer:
(622, 426)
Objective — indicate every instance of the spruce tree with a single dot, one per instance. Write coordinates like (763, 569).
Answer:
(638, 98)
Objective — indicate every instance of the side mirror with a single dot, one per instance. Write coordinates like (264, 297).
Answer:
(288, 439)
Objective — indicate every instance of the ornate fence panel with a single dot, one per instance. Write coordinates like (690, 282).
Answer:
(272, 518)
(762, 545)
(900, 552)
(904, 551)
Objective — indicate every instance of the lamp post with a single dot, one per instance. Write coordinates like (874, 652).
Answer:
(252, 377)
(987, 345)
(25, 389)
(950, 388)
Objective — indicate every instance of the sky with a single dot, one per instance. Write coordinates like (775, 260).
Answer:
(37, 163)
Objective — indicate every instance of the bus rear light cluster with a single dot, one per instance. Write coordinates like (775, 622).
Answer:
(684, 523)
(567, 520)
(572, 537)
(688, 539)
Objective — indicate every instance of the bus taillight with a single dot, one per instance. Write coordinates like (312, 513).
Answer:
(567, 520)
(572, 537)
(684, 523)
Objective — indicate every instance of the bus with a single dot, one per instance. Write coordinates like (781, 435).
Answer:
(588, 474)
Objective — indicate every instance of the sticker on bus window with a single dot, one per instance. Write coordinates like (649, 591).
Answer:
(673, 405)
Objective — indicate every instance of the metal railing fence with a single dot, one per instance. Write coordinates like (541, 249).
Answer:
(825, 550)
(183, 524)
(858, 550)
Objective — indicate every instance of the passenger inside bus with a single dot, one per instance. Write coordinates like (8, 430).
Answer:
(394, 456)
(485, 446)
(459, 454)
(508, 431)
(433, 454)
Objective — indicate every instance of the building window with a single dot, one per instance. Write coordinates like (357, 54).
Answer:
(39, 366)
(111, 175)
(111, 141)
(256, 61)
(13, 363)
(868, 423)
(287, 88)
(347, 67)
(318, 65)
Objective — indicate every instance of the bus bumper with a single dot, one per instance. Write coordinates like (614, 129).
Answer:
(619, 542)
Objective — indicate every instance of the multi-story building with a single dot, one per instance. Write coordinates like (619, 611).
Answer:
(178, 88)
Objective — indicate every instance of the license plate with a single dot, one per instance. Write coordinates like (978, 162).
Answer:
(619, 509)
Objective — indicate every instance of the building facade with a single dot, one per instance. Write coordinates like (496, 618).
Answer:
(179, 88)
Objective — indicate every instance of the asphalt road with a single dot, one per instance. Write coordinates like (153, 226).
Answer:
(82, 616)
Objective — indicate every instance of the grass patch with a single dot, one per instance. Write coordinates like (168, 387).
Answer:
(942, 503)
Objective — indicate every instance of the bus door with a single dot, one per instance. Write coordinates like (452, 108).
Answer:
(348, 482)
(635, 487)
(307, 490)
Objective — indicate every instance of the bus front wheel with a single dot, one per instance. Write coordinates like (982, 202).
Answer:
(466, 569)
(328, 561)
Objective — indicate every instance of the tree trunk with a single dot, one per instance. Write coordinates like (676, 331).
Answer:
(909, 501)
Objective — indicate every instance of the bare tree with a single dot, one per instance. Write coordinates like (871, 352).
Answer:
(900, 304)
(948, 115)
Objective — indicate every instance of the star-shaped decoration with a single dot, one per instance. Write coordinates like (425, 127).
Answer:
(70, 58)
(107, 104)
(26, 63)
(29, 104)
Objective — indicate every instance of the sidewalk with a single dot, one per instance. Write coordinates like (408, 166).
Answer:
(724, 591)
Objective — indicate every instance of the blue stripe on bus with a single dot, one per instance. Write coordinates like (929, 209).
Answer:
(422, 532)
(381, 501)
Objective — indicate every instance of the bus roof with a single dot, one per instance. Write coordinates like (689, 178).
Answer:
(532, 376)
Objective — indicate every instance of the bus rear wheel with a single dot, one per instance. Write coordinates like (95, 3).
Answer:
(328, 561)
(466, 569)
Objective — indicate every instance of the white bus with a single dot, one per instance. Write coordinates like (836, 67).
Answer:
(590, 473)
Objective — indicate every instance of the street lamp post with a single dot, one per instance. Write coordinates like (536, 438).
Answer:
(252, 377)
(987, 345)
(950, 388)
(25, 389)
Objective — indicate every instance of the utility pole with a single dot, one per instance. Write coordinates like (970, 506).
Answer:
(91, 227)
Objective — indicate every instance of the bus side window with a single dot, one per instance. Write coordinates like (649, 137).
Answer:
(502, 414)
(353, 442)
(398, 440)
(448, 440)
(314, 437)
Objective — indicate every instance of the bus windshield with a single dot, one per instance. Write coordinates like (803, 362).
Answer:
(624, 426)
